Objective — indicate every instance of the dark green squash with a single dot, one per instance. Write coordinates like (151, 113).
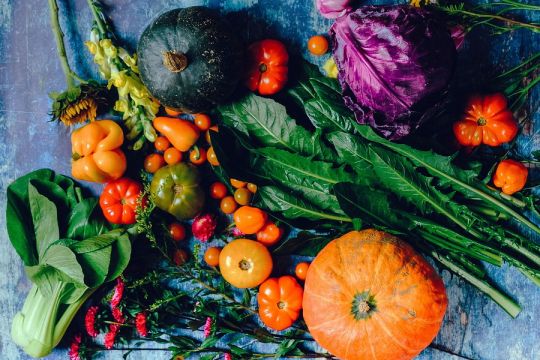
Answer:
(189, 59)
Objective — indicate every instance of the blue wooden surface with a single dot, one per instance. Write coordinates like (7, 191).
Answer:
(474, 326)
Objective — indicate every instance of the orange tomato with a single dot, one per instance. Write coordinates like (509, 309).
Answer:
(228, 205)
(270, 234)
(161, 143)
(180, 257)
(318, 45)
(177, 231)
(212, 158)
(252, 187)
(172, 112)
(153, 163)
(211, 256)
(197, 156)
(207, 134)
(238, 184)
(487, 120)
(510, 176)
(242, 196)
(280, 302)
(218, 190)
(245, 263)
(202, 121)
(181, 133)
(301, 270)
(172, 156)
(249, 219)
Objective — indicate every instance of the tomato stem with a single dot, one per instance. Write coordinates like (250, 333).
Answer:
(481, 121)
(263, 67)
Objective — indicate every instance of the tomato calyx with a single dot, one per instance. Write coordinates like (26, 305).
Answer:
(178, 189)
(281, 305)
(481, 121)
(263, 67)
(244, 265)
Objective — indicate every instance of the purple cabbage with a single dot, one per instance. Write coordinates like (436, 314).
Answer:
(332, 9)
(394, 64)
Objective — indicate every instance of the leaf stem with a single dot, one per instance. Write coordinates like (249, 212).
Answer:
(60, 47)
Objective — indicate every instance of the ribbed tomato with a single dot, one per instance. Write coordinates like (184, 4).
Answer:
(118, 201)
(280, 302)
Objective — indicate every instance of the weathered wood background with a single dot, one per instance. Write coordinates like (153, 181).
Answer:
(474, 327)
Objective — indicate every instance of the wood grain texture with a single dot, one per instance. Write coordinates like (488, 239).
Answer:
(474, 327)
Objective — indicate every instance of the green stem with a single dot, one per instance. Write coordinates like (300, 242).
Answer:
(98, 18)
(513, 23)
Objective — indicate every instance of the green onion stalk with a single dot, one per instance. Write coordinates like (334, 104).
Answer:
(120, 69)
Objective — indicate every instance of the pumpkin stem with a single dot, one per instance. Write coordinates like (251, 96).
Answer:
(363, 307)
(175, 61)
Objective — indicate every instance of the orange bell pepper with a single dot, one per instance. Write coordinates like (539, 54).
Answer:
(181, 133)
(510, 176)
(96, 152)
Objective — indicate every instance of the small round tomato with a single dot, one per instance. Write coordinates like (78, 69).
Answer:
(212, 158)
(172, 112)
(510, 176)
(207, 134)
(118, 201)
(270, 234)
(197, 156)
(318, 45)
(153, 163)
(238, 184)
(202, 121)
(252, 187)
(180, 257)
(228, 205)
(245, 263)
(211, 256)
(162, 143)
(218, 190)
(280, 302)
(242, 196)
(249, 219)
(177, 231)
(301, 270)
(172, 156)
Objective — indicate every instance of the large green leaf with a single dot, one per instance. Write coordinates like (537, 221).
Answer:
(86, 220)
(45, 220)
(268, 123)
(305, 243)
(121, 253)
(323, 115)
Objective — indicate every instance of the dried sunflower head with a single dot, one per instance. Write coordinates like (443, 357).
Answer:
(79, 103)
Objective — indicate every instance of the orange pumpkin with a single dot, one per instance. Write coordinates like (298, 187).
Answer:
(369, 295)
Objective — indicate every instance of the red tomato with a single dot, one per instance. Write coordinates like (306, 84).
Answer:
(301, 270)
(118, 201)
(267, 66)
(270, 234)
(218, 190)
(510, 176)
(318, 45)
(202, 121)
(177, 231)
(280, 302)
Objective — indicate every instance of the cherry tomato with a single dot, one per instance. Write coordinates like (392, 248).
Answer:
(162, 143)
(172, 156)
(153, 163)
(280, 302)
(245, 263)
(218, 190)
(318, 45)
(228, 205)
(510, 176)
(177, 231)
(172, 112)
(238, 184)
(212, 158)
(197, 156)
(180, 257)
(252, 187)
(249, 219)
(207, 134)
(301, 270)
(202, 121)
(118, 201)
(211, 256)
(269, 234)
(242, 196)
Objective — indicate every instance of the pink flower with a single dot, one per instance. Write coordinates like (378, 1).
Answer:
(227, 356)
(140, 324)
(207, 327)
(111, 336)
(203, 227)
(236, 232)
(118, 292)
(74, 348)
(118, 316)
(90, 321)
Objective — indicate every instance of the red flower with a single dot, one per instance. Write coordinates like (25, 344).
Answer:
(90, 321)
(118, 292)
(140, 324)
(207, 327)
(111, 336)
(73, 352)
(203, 227)
(118, 316)
(227, 356)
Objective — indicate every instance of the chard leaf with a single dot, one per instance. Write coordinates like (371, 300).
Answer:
(45, 219)
(325, 116)
(267, 122)
(278, 200)
(305, 243)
